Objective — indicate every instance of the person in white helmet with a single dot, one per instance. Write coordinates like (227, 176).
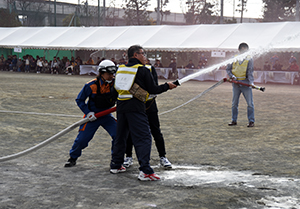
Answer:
(102, 96)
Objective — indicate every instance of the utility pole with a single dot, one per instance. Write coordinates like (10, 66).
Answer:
(98, 12)
(222, 9)
(104, 15)
(242, 12)
(158, 13)
(233, 13)
(55, 13)
(297, 10)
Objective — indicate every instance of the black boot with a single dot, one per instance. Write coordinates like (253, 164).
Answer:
(71, 162)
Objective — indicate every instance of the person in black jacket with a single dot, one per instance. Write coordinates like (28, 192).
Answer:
(152, 114)
(131, 113)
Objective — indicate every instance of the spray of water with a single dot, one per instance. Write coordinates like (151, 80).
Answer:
(252, 53)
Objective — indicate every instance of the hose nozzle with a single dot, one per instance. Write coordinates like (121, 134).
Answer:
(176, 82)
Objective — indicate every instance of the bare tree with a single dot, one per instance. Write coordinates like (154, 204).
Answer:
(8, 19)
(279, 10)
(111, 17)
(242, 8)
(35, 10)
(162, 10)
(200, 12)
(136, 12)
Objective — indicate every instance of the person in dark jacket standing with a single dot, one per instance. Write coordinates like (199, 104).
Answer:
(152, 114)
(134, 83)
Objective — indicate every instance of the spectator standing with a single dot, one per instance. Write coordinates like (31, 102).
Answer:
(7, 63)
(14, 61)
(292, 59)
(60, 65)
(124, 56)
(173, 73)
(273, 61)
(2, 62)
(20, 65)
(32, 62)
(27, 64)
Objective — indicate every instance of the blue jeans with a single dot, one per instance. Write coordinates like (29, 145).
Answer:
(247, 92)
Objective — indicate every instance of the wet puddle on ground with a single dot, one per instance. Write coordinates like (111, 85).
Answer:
(278, 192)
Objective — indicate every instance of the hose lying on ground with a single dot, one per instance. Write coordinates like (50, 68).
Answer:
(85, 120)
(56, 136)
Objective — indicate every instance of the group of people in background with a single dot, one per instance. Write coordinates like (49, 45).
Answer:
(38, 64)
(72, 66)
(275, 65)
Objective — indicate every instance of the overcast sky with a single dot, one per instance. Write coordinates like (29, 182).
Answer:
(254, 7)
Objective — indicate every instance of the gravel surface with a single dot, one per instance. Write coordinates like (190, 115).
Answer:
(214, 165)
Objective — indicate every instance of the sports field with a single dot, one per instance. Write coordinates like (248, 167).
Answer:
(214, 165)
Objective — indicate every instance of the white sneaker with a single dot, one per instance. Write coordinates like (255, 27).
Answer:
(148, 177)
(120, 170)
(165, 162)
(128, 161)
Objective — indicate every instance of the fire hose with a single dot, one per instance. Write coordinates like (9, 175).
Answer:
(245, 84)
(56, 136)
(108, 111)
(178, 82)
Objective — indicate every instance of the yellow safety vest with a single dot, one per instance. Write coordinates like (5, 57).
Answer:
(240, 70)
(124, 80)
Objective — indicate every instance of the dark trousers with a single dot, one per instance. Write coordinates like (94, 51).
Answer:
(136, 124)
(156, 133)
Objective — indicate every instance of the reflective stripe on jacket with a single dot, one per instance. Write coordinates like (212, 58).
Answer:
(124, 80)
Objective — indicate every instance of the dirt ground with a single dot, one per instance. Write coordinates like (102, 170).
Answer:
(214, 165)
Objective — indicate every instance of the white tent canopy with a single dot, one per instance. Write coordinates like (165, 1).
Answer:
(283, 36)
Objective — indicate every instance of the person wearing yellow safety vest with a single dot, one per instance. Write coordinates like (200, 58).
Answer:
(134, 83)
(242, 70)
(152, 114)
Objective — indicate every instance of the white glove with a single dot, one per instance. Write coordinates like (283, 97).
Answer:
(233, 77)
(91, 116)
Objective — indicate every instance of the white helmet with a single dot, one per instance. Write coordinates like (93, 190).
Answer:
(107, 66)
